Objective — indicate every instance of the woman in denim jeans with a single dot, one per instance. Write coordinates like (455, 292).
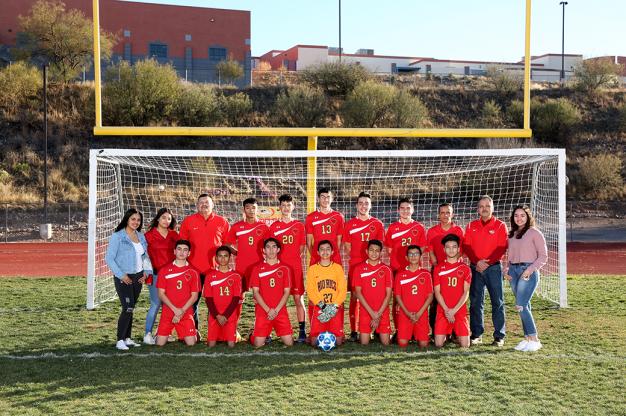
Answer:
(125, 256)
(161, 239)
(527, 254)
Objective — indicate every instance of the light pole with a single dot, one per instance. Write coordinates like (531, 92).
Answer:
(563, 3)
(45, 229)
(339, 31)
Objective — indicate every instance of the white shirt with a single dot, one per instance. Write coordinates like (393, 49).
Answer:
(138, 254)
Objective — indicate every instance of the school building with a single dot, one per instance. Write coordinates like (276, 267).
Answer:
(193, 39)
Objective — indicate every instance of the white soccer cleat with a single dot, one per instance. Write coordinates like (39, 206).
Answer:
(121, 345)
(149, 339)
(520, 347)
(533, 346)
(130, 343)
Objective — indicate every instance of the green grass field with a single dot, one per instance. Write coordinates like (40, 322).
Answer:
(58, 358)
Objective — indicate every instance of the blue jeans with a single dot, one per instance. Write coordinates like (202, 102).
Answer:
(492, 279)
(523, 291)
(155, 305)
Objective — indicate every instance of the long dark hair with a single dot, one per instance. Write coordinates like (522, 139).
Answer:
(155, 221)
(515, 229)
(127, 215)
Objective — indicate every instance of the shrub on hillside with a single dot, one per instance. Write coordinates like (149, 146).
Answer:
(20, 86)
(140, 95)
(373, 104)
(622, 116)
(551, 121)
(490, 115)
(504, 82)
(336, 78)
(594, 74)
(554, 120)
(229, 70)
(197, 105)
(301, 106)
(235, 109)
(599, 177)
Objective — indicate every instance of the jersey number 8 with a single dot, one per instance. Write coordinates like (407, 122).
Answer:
(272, 282)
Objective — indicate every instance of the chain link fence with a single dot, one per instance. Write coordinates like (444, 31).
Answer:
(20, 222)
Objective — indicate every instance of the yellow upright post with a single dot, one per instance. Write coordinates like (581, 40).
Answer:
(311, 179)
(96, 61)
(527, 69)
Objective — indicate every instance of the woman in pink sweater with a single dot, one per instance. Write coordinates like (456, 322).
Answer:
(527, 254)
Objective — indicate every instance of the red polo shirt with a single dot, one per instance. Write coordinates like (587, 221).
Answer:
(205, 237)
(485, 240)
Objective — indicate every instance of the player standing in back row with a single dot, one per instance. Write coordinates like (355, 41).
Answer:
(292, 237)
(324, 224)
(356, 234)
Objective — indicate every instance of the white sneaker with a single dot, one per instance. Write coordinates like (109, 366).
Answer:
(148, 339)
(130, 343)
(523, 343)
(476, 341)
(121, 345)
(533, 346)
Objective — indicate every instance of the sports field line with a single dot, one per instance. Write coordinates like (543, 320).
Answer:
(311, 353)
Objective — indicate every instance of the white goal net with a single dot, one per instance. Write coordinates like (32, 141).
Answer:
(151, 179)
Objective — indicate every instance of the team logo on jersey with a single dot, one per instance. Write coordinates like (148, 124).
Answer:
(492, 232)
(279, 273)
(230, 282)
(333, 221)
(414, 232)
(259, 232)
(381, 273)
(459, 273)
(422, 280)
(372, 228)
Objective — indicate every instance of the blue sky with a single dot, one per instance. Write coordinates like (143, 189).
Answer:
(454, 29)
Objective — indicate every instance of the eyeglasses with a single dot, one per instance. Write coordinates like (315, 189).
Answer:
(413, 254)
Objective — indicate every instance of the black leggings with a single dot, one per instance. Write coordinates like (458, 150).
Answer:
(128, 294)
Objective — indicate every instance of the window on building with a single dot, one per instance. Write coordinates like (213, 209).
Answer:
(188, 38)
(126, 33)
(217, 54)
(158, 50)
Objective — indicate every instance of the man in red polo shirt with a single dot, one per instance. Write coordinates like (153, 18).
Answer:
(206, 231)
(435, 249)
(485, 242)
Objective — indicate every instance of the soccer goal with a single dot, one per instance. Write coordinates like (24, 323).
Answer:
(151, 179)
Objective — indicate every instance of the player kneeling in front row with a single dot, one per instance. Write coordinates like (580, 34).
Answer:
(270, 281)
(452, 279)
(222, 291)
(413, 290)
(178, 287)
(326, 288)
(373, 281)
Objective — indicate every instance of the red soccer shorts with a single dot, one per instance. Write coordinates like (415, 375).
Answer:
(297, 281)
(407, 329)
(384, 326)
(228, 332)
(263, 326)
(460, 325)
(334, 326)
(186, 327)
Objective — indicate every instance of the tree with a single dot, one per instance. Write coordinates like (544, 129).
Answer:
(62, 38)
(229, 70)
(592, 74)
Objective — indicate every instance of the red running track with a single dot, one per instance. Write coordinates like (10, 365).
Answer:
(70, 259)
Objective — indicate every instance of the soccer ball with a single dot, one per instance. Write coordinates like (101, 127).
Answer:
(326, 341)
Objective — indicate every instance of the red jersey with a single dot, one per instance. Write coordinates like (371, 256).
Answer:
(413, 288)
(358, 232)
(248, 238)
(485, 240)
(222, 287)
(161, 249)
(272, 280)
(399, 236)
(450, 278)
(292, 238)
(325, 227)
(436, 234)
(373, 280)
(179, 283)
(205, 237)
